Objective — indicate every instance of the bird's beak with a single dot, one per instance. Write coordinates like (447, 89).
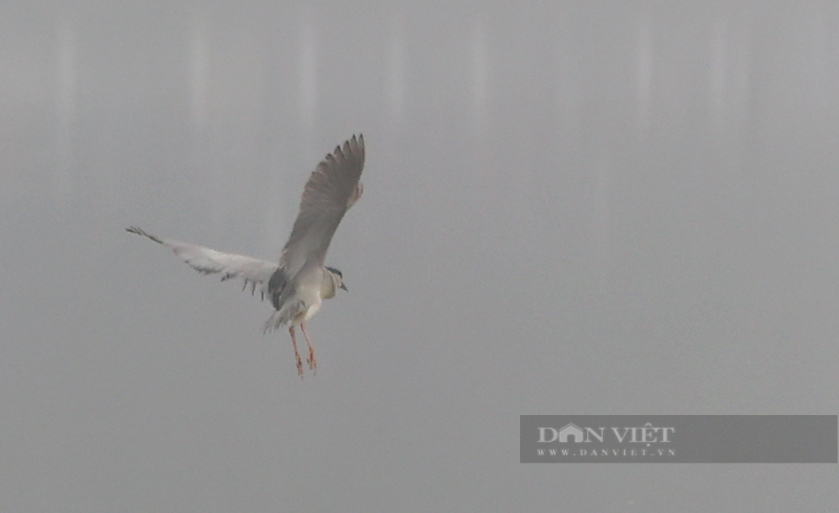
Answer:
(344, 287)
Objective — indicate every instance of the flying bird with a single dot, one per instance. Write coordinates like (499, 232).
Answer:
(299, 282)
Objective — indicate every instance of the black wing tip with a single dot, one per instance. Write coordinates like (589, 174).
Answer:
(139, 231)
(352, 147)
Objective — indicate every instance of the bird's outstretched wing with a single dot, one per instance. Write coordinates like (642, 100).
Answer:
(332, 189)
(209, 261)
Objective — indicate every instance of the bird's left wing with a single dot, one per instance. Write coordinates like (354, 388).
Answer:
(209, 261)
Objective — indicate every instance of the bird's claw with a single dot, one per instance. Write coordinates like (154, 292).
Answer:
(299, 366)
(313, 362)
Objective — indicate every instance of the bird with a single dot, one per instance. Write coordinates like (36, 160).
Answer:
(299, 282)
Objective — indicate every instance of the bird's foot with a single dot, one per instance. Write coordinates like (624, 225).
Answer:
(299, 365)
(312, 361)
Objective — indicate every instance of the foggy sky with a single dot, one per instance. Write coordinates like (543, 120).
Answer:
(590, 208)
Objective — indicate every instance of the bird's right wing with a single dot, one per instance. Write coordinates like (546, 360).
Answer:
(332, 188)
(209, 261)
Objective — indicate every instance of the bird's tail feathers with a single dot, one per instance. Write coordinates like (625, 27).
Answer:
(283, 316)
(273, 323)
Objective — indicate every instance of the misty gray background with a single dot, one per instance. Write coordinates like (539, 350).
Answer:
(570, 208)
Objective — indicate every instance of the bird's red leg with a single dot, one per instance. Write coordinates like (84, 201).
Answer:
(313, 362)
(296, 352)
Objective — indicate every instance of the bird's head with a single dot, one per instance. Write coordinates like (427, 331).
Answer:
(337, 278)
